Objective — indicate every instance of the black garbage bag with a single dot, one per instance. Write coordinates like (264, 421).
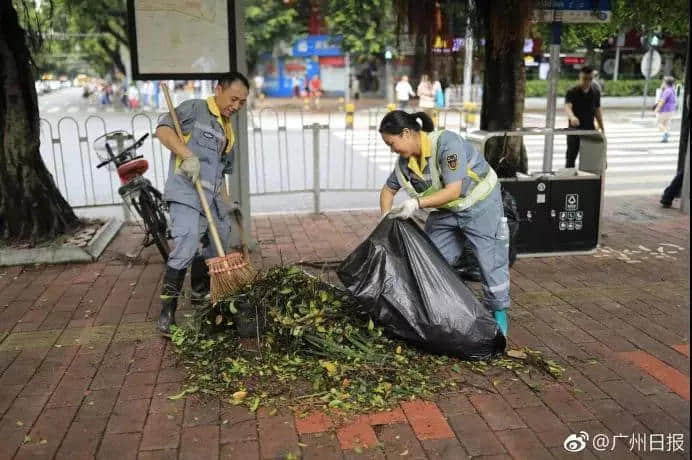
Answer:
(467, 265)
(403, 281)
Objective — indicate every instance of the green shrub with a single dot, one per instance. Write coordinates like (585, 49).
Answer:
(619, 88)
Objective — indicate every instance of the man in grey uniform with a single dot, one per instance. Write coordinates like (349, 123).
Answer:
(207, 154)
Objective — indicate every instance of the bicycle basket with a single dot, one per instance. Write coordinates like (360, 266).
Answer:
(111, 139)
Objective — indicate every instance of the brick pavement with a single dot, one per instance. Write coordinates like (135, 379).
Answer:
(83, 375)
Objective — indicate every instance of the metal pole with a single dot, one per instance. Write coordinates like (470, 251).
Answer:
(388, 81)
(347, 64)
(316, 166)
(552, 96)
(617, 63)
(685, 193)
(648, 77)
(468, 63)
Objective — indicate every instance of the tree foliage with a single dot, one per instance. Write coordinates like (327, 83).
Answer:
(267, 22)
(83, 33)
(367, 26)
(670, 17)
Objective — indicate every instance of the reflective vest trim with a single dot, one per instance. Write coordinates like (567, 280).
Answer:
(479, 192)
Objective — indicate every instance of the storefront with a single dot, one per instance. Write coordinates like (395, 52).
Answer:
(321, 55)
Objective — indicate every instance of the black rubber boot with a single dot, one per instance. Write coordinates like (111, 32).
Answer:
(199, 281)
(172, 285)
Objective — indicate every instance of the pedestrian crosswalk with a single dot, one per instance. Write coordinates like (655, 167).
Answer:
(638, 162)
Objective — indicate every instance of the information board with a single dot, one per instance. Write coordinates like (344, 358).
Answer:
(572, 11)
(181, 39)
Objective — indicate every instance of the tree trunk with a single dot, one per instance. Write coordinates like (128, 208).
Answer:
(114, 54)
(31, 206)
(503, 84)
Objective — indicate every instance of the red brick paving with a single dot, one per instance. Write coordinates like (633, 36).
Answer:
(620, 330)
(670, 377)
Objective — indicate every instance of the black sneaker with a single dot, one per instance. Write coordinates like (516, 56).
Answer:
(665, 204)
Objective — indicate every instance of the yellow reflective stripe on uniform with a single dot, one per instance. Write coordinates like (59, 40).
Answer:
(472, 174)
(499, 287)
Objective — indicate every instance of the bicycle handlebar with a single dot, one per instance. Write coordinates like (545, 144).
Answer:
(114, 158)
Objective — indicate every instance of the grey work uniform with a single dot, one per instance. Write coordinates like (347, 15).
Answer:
(479, 224)
(204, 133)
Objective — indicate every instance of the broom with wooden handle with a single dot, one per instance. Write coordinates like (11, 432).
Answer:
(228, 272)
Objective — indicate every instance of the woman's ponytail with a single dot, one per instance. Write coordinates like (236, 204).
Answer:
(426, 121)
(398, 120)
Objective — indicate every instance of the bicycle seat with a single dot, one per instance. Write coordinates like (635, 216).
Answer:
(133, 168)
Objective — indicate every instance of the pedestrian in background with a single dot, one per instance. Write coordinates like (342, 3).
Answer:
(403, 92)
(439, 94)
(315, 89)
(665, 107)
(426, 94)
(674, 189)
(582, 105)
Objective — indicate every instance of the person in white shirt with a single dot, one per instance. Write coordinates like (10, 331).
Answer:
(403, 91)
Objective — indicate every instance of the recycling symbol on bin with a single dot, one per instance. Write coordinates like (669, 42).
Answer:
(572, 202)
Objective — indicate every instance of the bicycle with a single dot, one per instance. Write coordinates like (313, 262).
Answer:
(136, 191)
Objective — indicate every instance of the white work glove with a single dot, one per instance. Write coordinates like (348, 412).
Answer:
(405, 210)
(190, 168)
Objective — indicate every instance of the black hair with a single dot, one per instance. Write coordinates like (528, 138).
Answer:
(398, 120)
(587, 69)
(229, 78)
(669, 81)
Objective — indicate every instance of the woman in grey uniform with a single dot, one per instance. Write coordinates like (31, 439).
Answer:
(442, 171)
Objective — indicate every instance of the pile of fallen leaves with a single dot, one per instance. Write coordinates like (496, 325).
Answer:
(313, 346)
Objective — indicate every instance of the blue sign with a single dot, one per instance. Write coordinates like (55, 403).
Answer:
(573, 5)
(283, 76)
(318, 45)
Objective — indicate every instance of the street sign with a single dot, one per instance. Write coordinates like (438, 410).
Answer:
(572, 11)
(171, 40)
(655, 64)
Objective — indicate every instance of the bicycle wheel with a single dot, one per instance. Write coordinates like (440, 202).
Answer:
(151, 209)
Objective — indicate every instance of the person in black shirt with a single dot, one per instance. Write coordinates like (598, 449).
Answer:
(582, 105)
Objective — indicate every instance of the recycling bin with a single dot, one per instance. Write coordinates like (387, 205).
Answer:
(558, 213)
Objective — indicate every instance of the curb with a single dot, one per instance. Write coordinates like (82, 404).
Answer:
(64, 254)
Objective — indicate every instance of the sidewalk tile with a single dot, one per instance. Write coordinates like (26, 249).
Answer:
(564, 405)
(163, 454)
(539, 418)
(243, 449)
(320, 446)
(669, 376)
(496, 412)
(314, 422)
(522, 443)
(128, 416)
(277, 434)
(201, 412)
(119, 446)
(160, 432)
(356, 435)
(97, 404)
(426, 420)
(684, 349)
(399, 441)
(245, 430)
(455, 405)
(82, 439)
(439, 449)
(199, 443)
